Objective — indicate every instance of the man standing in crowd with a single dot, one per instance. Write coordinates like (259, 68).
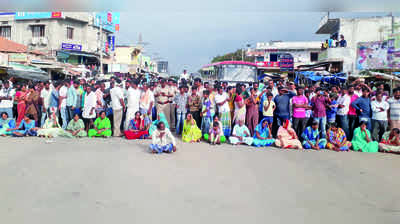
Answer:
(6, 99)
(320, 102)
(72, 98)
(62, 104)
(100, 104)
(221, 100)
(146, 101)
(394, 111)
(132, 102)
(172, 91)
(300, 104)
(379, 117)
(118, 106)
(194, 103)
(45, 98)
(89, 107)
(180, 103)
(352, 115)
(343, 110)
(282, 103)
(363, 105)
(162, 95)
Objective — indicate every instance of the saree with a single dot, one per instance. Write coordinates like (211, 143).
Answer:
(286, 135)
(153, 126)
(311, 135)
(75, 126)
(136, 129)
(360, 143)
(190, 131)
(388, 145)
(9, 123)
(25, 129)
(243, 132)
(337, 138)
(240, 112)
(52, 128)
(264, 133)
(101, 124)
(21, 106)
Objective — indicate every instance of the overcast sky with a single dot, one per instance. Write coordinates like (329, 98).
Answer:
(191, 39)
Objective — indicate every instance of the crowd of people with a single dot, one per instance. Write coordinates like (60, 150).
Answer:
(360, 117)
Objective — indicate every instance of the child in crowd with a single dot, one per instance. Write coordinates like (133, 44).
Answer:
(215, 134)
(207, 112)
(268, 109)
(332, 110)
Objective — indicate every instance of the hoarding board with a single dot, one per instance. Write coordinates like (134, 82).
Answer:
(372, 55)
(37, 15)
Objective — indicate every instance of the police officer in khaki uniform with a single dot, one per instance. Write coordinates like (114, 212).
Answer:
(162, 96)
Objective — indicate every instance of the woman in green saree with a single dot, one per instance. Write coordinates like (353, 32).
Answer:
(76, 127)
(362, 139)
(160, 117)
(102, 127)
(191, 133)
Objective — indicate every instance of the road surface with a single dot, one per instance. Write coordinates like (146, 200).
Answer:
(92, 181)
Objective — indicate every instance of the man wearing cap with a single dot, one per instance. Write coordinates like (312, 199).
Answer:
(162, 95)
(118, 106)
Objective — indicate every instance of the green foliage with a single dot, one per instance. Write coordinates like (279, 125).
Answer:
(234, 56)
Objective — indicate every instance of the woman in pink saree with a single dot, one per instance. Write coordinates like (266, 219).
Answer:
(20, 97)
(287, 138)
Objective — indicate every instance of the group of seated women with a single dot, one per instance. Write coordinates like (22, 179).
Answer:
(141, 127)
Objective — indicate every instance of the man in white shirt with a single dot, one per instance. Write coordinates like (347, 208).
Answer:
(89, 107)
(7, 99)
(184, 75)
(146, 102)
(118, 106)
(133, 98)
(379, 116)
(62, 105)
(343, 110)
(221, 100)
(45, 97)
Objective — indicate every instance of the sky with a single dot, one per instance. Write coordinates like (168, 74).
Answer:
(189, 40)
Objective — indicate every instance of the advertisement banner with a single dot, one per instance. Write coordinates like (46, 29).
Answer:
(73, 47)
(108, 20)
(268, 64)
(18, 57)
(37, 15)
(3, 60)
(286, 62)
(372, 55)
(111, 42)
(394, 51)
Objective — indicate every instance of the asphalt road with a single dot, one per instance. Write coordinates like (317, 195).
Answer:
(118, 181)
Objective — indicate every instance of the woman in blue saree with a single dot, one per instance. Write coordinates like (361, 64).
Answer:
(5, 124)
(312, 139)
(262, 134)
(26, 127)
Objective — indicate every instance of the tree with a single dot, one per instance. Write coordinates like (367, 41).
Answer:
(234, 56)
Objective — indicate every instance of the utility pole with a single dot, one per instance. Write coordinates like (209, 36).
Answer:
(101, 47)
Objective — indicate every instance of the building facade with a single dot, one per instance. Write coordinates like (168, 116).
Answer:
(72, 37)
(355, 32)
(162, 66)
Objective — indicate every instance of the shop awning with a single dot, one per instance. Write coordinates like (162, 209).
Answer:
(66, 54)
(26, 72)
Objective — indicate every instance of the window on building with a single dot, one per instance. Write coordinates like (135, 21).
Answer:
(38, 31)
(5, 31)
(273, 57)
(314, 56)
(70, 33)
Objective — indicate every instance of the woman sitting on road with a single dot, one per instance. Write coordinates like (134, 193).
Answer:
(191, 133)
(337, 140)
(287, 138)
(362, 139)
(216, 130)
(51, 128)
(102, 127)
(137, 128)
(76, 127)
(5, 124)
(312, 139)
(162, 140)
(390, 141)
(241, 134)
(262, 134)
(160, 118)
(25, 128)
